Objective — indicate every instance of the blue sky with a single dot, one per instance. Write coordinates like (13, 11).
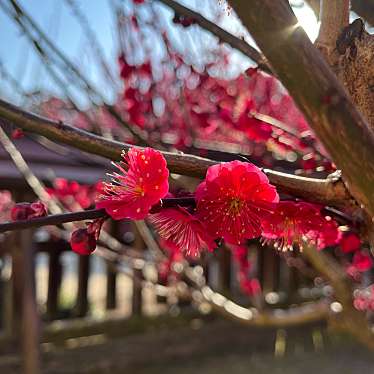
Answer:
(56, 19)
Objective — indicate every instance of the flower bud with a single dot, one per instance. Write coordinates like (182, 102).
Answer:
(83, 242)
(24, 211)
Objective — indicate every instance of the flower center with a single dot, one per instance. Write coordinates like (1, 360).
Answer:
(139, 190)
(292, 234)
(235, 206)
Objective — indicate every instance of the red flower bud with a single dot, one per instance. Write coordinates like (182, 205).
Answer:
(23, 211)
(83, 242)
(250, 72)
(185, 21)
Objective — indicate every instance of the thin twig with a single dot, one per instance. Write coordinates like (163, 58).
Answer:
(55, 219)
(91, 37)
(307, 313)
(58, 219)
(20, 163)
(285, 128)
(25, 22)
(224, 36)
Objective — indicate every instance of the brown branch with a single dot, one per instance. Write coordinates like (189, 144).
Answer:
(58, 219)
(285, 128)
(365, 9)
(306, 313)
(303, 314)
(316, 90)
(53, 220)
(334, 16)
(223, 35)
(324, 191)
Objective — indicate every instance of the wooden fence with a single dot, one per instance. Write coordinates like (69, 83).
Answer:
(25, 324)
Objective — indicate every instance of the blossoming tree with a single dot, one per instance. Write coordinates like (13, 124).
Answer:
(323, 123)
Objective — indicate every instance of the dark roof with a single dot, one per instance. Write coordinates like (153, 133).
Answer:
(49, 161)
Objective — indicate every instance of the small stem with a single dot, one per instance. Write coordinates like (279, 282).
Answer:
(223, 35)
(339, 216)
(57, 219)
(174, 201)
(288, 130)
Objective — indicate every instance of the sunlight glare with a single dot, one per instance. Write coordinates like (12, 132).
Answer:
(308, 21)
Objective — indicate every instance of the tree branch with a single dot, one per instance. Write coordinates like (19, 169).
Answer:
(316, 90)
(324, 191)
(53, 220)
(58, 219)
(223, 35)
(365, 9)
(334, 16)
(306, 313)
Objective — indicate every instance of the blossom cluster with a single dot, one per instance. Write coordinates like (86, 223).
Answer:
(72, 195)
(360, 260)
(234, 203)
(26, 211)
(205, 106)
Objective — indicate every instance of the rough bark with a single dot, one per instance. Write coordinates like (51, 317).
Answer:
(356, 71)
(334, 15)
(349, 50)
